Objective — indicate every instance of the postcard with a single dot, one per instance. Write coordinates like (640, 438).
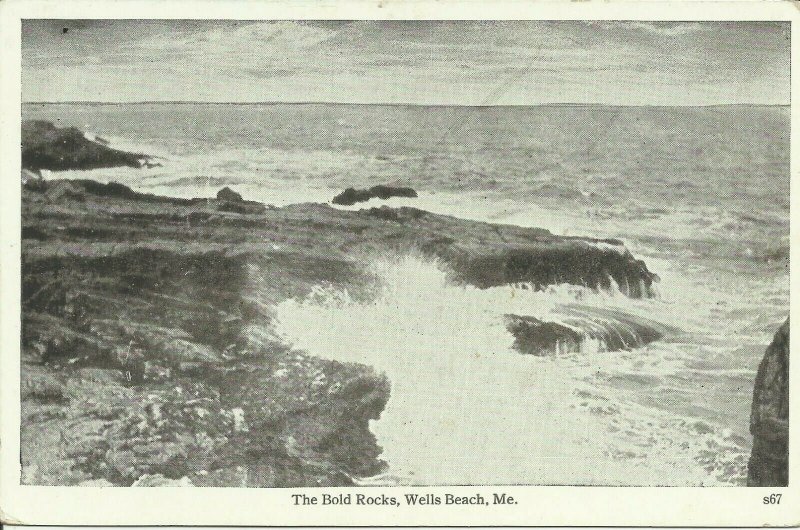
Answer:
(384, 263)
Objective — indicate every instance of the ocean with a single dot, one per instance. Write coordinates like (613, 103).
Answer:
(701, 194)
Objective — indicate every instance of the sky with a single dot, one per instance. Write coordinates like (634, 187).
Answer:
(413, 62)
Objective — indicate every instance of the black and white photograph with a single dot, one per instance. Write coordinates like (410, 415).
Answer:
(374, 254)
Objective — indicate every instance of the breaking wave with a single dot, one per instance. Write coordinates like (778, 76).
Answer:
(468, 408)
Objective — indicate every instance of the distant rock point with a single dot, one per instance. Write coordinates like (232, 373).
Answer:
(45, 146)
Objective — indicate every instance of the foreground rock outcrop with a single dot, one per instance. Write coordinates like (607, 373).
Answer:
(148, 351)
(769, 419)
(45, 146)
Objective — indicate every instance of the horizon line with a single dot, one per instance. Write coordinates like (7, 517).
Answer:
(394, 104)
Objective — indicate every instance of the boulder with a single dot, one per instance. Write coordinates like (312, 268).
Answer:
(769, 417)
(227, 194)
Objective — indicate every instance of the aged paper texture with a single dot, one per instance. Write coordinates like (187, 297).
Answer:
(420, 263)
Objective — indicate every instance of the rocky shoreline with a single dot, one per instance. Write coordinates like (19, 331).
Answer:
(147, 349)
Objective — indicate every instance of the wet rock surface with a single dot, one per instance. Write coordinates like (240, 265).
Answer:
(769, 419)
(351, 196)
(148, 353)
(583, 327)
(537, 337)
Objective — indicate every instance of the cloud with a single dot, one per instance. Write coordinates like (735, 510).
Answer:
(275, 37)
(635, 62)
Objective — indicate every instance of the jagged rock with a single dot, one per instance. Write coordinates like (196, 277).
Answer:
(351, 196)
(769, 418)
(231, 201)
(398, 215)
(113, 190)
(552, 261)
(227, 194)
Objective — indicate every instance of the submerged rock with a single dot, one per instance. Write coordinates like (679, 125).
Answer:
(537, 337)
(350, 196)
(605, 329)
(769, 417)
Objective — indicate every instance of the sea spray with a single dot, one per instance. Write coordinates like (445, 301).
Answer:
(465, 407)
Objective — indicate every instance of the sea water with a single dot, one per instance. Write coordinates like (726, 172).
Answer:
(701, 194)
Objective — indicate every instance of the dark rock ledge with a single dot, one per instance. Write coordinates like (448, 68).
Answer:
(351, 196)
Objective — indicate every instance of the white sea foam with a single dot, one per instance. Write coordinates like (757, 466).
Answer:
(467, 409)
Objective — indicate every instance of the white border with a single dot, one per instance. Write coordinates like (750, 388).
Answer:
(549, 505)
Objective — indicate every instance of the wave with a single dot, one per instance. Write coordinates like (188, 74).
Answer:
(560, 191)
(467, 408)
